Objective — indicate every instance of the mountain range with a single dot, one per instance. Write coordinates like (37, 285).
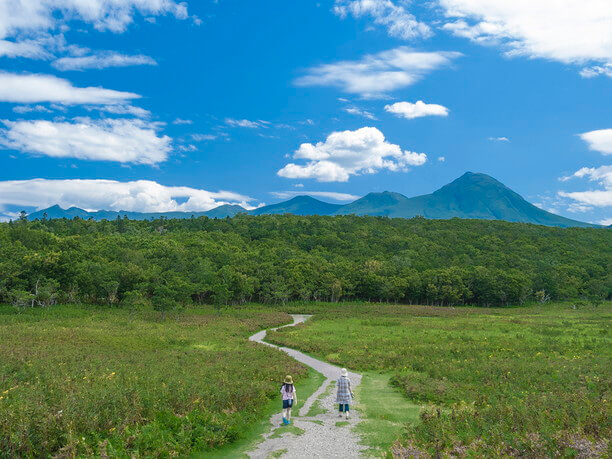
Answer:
(473, 195)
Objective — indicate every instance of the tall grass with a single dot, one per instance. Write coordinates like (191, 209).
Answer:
(513, 382)
(77, 381)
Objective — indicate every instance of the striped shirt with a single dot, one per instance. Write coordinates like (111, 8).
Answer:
(344, 390)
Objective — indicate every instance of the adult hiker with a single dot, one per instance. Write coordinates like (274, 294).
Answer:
(344, 394)
(289, 398)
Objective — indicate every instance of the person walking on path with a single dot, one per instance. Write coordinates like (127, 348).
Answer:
(289, 398)
(345, 393)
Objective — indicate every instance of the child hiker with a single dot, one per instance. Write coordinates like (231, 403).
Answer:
(289, 398)
(345, 393)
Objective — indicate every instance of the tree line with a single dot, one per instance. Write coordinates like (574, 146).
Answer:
(278, 258)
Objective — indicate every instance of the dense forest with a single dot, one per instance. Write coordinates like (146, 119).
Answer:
(277, 258)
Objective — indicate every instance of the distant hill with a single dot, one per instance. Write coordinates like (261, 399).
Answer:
(472, 195)
(300, 205)
(56, 211)
(226, 210)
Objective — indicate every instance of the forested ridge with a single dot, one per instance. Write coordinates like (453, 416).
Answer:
(278, 258)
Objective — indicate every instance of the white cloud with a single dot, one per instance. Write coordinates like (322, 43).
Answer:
(441, 158)
(342, 197)
(182, 121)
(35, 28)
(346, 153)
(600, 140)
(601, 175)
(120, 109)
(26, 48)
(36, 88)
(28, 109)
(576, 207)
(359, 112)
(102, 60)
(591, 198)
(499, 139)
(569, 31)
(596, 70)
(409, 110)
(122, 140)
(606, 222)
(189, 147)
(202, 137)
(399, 22)
(138, 196)
(376, 74)
(246, 123)
(23, 16)
(595, 198)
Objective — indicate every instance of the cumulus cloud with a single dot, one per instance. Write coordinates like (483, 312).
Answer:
(102, 60)
(419, 109)
(569, 31)
(34, 28)
(359, 112)
(601, 175)
(22, 16)
(584, 200)
(600, 140)
(123, 140)
(36, 88)
(346, 153)
(342, 197)
(588, 199)
(376, 74)
(138, 196)
(606, 222)
(398, 22)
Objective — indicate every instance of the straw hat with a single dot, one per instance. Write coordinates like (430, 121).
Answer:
(288, 380)
(344, 372)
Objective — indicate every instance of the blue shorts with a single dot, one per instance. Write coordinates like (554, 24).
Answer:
(287, 404)
(345, 406)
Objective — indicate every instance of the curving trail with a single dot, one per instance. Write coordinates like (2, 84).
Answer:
(321, 437)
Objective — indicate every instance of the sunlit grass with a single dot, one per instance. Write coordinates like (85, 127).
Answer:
(87, 381)
(385, 412)
(493, 381)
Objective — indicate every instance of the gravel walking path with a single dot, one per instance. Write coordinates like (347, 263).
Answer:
(324, 434)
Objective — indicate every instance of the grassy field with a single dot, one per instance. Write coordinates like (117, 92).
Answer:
(531, 382)
(98, 382)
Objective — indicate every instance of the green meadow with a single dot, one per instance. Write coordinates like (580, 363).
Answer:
(85, 381)
(472, 382)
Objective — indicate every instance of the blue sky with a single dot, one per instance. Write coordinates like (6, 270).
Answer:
(157, 105)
